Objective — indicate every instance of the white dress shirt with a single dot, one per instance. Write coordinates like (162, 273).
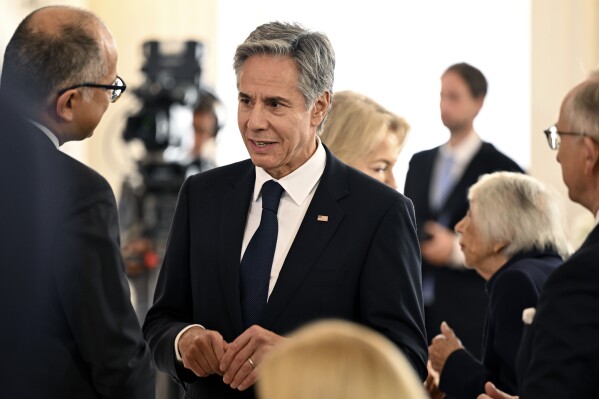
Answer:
(299, 187)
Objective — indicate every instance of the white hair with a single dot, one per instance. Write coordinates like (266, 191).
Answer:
(518, 210)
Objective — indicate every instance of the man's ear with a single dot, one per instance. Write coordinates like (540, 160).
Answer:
(499, 246)
(479, 101)
(320, 108)
(591, 155)
(65, 105)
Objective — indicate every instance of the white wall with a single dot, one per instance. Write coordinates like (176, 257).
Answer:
(565, 37)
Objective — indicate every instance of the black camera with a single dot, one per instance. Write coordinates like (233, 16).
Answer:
(173, 72)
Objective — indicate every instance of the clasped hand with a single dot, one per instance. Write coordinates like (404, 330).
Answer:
(442, 346)
(205, 352)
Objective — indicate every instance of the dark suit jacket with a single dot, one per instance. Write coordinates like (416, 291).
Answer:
(362, 265)
(559, 354)
(69, 329)
(512, 289)
(459, 295)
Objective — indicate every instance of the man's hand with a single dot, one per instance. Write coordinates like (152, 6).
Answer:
(442, 346)
(438, 248)
(491, 392)
(202, 351)
(245, 354)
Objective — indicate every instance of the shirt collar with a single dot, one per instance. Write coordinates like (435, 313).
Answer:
(301, 181)
(465, 151)
(47, 132)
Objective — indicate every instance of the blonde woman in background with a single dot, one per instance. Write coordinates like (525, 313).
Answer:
(337, 360)
(365, 135)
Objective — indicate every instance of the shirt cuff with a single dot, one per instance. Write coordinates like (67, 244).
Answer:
(177, 354)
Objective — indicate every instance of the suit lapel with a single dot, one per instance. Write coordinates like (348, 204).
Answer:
(234, 212)
(312, 237)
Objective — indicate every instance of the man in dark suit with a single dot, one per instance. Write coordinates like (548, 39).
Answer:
(437, 183)
(559, 353)
(340, 245)
(69, 328)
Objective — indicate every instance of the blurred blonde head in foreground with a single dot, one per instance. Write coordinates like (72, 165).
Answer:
(337, 360)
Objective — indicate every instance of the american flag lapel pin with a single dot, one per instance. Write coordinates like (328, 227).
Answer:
(322, 218)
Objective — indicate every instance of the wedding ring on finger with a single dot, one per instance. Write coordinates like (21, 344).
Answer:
(251, 363)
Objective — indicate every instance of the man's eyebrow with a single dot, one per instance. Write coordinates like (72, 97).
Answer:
(276, 99)
(269, 100)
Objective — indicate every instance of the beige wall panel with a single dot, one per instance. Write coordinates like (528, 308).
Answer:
(565, 47)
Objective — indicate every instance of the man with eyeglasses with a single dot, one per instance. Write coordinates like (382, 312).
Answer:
(559, 353)
(69, 330)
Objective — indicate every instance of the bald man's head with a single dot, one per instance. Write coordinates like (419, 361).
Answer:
(580, 107)
(53, 47)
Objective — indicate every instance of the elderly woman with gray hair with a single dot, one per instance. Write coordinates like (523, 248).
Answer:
(513, 237)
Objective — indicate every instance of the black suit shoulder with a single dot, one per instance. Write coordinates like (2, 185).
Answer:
(372, 192)
(424, 157)
(494, 160)
(529, 272)
(564, 331)
(84, 185)
(222, 173)
(488, 156)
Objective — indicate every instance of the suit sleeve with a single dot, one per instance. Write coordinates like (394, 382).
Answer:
(464, 376)
(391, 286)
(407, 189)
(172, 310)
(565, 350)
(94, 293)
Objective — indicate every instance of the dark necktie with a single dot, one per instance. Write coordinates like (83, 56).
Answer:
(258, 256)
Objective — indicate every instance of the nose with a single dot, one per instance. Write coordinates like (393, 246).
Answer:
(459, 228)
(257, 119)
(442, 102)
(390, 179)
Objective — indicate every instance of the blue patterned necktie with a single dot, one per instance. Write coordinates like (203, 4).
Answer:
(258, 256)
(444, 182)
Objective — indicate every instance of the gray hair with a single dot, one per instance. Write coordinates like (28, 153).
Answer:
(39, 62)
(312, 52)
(519, 210)
(583, 107)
